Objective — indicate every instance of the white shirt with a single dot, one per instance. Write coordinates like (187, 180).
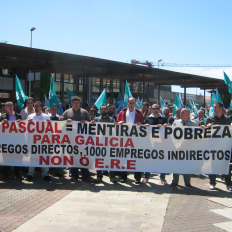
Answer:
(130, 116)
(42, 116)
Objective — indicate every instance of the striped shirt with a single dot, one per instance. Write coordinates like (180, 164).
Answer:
(223, 120)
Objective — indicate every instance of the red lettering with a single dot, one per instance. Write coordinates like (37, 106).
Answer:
(56, 128)
(68, 160)
(29, 127)
(5, 125)
(112, 140)
(45, 139)
(129, 143)
(99, 162)
(98, 142)
(90, 141)
(55, 138)
(56, 160)
(114, 163)
(131, 164)
(40, 130)
(36, 138)
(49, 128)
(65, 139)
(43, 160)
(79, 140)
(13, 128)
(84, 161)
(22, 127)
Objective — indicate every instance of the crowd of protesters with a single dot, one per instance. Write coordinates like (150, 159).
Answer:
(148, 115)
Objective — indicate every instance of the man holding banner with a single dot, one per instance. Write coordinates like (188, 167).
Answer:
(76, 113)
(104, 117)
(183, 121)
(38, 115)
(155, 119)
(219, 119)
(10, 115)
(131, 115)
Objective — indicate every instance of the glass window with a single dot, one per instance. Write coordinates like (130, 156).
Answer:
(58, 77)
(95, 85)
(66, 77)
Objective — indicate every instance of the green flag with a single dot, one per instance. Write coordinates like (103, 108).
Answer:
(228, 82)
(101, 100)
(53, 99)
(162, 104)
(70, 94)
(218, 97)
(177, 104)
(231, 105)
(20, 94)
(127, 94)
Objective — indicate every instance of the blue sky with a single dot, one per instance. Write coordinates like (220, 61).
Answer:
(180, 31)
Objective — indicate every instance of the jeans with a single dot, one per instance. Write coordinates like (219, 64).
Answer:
(100, 174)
(147, 175)
(212, 179)
(31, 171)
(137, 175)
(84, 172)
(175, 179)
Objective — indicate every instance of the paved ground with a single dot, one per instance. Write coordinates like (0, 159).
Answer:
(63, 205)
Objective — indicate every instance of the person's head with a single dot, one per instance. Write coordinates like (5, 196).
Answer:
(9, 107)
(145, 107)
(38, 107)
(171, 108)
(178, 112)
(131, 104)
(166, 111)
(111, 109)
(104, 110)
(76, 103)
(184, 114)
(53, 110)
(201, 114)
(29, 103)
(155, 108)
(92, 113)
(228, 112)
(3, 109)
(45, 110)
(218, 108)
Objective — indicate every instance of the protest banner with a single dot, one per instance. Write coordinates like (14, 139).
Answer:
(126, 147)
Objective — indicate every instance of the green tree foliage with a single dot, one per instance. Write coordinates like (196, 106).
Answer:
(44, 85)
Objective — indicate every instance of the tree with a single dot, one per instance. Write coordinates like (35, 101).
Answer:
(44, 85)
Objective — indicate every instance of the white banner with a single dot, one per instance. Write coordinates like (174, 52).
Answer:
(105, 146)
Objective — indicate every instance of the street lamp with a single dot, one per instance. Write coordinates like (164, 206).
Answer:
(32, 29)
(29, 89)
(159, 62)
(158, 87)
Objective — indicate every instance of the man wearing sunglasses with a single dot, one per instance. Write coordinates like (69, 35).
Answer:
(155, 119)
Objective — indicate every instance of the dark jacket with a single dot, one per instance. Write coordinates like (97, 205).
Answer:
(6, 116)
